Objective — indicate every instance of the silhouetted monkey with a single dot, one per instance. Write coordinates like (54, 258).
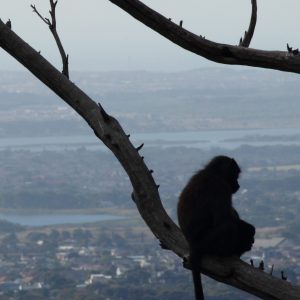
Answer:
(207, 218)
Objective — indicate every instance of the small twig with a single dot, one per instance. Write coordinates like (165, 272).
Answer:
(291, 50)
(8, 23)
(52, 27)
(283, 277)
(245, 42)
(271, 271)
(261, 265)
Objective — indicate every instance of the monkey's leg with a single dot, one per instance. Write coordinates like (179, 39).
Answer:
(246, 234)
(221, 240)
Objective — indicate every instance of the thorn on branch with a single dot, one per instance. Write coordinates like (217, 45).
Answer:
(132, 197)
(261, 266)
(128, 135)
(283, 277)
(105, 115)
(181, 23)
(271, 271)
(163, 245)
(241, 43)
(170, 19)
(157, 186)
(140, 147)
(151, 171)
(142, 157)
(52, 26)
(252, 263)
(291, 50)
(8, 23)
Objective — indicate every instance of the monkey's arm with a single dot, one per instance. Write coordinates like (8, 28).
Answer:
(234, 213)
(220, 207)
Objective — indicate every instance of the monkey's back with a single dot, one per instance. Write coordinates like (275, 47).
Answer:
(194, 206)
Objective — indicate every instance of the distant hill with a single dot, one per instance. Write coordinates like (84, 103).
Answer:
(151, 101)
(7, 227)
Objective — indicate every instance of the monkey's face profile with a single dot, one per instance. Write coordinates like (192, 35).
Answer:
(234, 172)
(235, 186)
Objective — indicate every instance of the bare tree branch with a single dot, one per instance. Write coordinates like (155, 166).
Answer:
(52, 27)
(231, 271)
(291, 50)
(41, 17)
(245, 42)
(221, 53)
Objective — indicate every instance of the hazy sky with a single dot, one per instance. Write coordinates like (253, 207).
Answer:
(99, 36)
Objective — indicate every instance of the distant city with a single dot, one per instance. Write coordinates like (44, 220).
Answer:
(51, 164)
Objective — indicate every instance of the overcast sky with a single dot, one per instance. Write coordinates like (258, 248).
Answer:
(99, 36)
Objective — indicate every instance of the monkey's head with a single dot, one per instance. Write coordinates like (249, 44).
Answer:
(227, 169)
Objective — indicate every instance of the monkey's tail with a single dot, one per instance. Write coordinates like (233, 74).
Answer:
(198, 284)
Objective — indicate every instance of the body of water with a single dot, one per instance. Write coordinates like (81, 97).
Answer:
(204, 139)
(53, 219)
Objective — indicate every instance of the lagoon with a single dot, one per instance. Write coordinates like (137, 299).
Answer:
(38, 220)
(203, 139)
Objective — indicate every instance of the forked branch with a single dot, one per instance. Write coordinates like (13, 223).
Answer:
(246, 40)
(221, 53)
(230, 271)
(52, 27)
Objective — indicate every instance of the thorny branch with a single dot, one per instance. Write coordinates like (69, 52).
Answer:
(245, 42)
(52, 27)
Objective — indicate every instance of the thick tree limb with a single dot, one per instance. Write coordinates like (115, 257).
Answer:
(221, 53)
(108, 130)
(245, 42)
(52, 27)
(231, 271)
